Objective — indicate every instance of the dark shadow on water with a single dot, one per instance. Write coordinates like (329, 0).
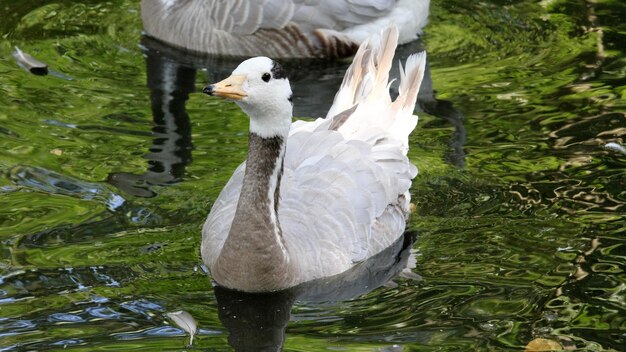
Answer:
(257, 322)
(170, 83)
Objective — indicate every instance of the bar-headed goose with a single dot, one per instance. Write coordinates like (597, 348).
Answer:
(314, 198)
(279, 28)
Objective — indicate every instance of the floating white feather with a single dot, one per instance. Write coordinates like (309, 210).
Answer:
(184, 321)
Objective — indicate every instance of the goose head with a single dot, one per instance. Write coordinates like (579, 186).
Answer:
(260, 87)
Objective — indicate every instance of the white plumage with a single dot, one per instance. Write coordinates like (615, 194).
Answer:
(344, 192)
(279, 28)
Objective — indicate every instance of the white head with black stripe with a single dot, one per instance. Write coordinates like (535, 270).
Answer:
(260, 87)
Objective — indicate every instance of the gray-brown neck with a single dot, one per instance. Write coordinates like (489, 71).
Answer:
(254, 256)
(260, 191)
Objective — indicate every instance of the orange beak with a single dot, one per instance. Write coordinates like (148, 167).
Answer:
(229, 88)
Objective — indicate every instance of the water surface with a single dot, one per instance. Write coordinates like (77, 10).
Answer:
(111, 162)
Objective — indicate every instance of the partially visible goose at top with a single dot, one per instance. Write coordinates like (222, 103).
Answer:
(314, 198)
(279, 28)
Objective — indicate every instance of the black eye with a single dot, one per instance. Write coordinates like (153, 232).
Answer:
(266, 77)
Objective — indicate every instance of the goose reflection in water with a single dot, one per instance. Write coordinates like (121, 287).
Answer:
(170, 83)
(257, 321)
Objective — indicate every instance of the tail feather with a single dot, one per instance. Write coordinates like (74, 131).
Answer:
(411, 80)
(352, 81)
(387, 48)
(364, 92)
(370, 67)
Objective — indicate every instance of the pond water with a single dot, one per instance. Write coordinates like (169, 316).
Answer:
(108, 174)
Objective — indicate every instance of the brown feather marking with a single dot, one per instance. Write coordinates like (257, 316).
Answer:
(341, 118)
(300, 38)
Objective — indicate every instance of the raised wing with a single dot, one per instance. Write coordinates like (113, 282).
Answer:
(333, 194)
(350, 169)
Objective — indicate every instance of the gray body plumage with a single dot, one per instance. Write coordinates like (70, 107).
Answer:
(334, 212)
(278, 28)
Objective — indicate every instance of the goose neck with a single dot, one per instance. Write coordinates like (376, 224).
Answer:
(260, 192)
(254, 256)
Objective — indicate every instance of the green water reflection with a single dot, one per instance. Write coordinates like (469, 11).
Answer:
(520, 208)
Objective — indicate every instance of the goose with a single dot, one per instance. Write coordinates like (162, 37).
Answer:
(314, 198)
(278, 28)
